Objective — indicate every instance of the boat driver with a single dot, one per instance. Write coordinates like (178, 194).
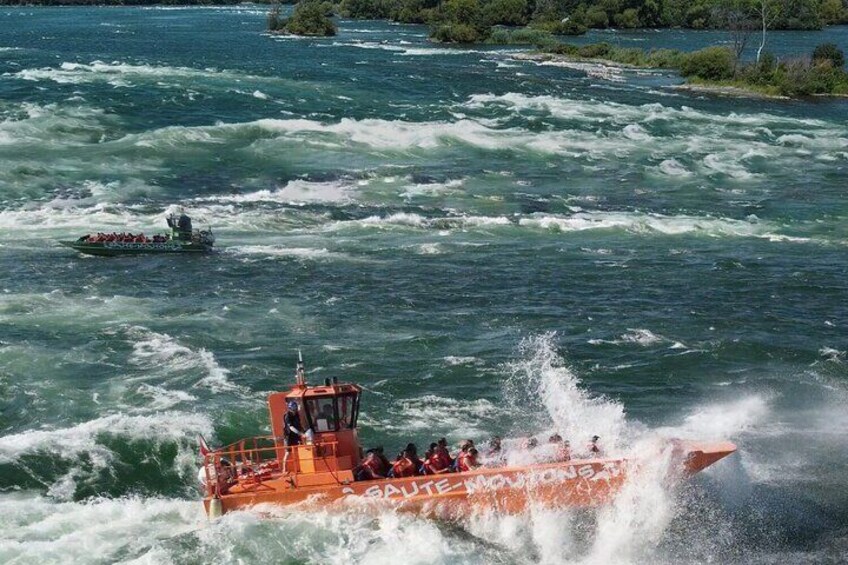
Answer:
(291, 430)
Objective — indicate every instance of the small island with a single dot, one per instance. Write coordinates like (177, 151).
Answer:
(719, 70)
(309, 18)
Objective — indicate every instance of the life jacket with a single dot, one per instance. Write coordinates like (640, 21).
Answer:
(404, 467)
(563, 453)
(434, 464)
(373, 465)
(593, 448)
(444, 458)
(464, 461)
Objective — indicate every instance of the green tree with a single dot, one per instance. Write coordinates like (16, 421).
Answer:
(505, 12)
(767, 12)
(629, 19)
(831, 53)
(712, 63)
(460, 21)
(309, 18)
(651, 13)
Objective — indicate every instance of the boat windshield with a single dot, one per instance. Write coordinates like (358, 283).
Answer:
(331, 414)
(322, 412)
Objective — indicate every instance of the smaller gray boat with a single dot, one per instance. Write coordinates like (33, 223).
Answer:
(181, 239)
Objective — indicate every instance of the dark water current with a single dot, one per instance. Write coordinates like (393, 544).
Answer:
(487, 245)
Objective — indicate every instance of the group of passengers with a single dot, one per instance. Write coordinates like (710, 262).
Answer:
(123, 238)
(438, 459)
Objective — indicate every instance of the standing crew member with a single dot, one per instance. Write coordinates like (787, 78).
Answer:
(291, 431)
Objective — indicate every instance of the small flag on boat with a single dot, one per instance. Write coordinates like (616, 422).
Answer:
(204, 448)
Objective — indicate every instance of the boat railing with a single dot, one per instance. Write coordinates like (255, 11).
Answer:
(255, 459)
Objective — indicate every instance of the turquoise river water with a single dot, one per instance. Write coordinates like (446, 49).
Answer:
(487, 245)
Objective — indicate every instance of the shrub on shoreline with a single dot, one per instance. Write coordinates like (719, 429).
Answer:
(310, 18)
(821, 74)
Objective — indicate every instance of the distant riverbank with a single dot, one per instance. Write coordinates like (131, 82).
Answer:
(717, 69)
(122, 2)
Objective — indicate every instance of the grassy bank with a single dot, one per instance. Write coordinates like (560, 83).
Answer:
(820, 73)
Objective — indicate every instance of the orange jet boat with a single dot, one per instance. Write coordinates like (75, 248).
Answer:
(320, 472)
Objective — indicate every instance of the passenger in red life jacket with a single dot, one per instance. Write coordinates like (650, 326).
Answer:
(593, 447)
(464, 446)
(562, 450)
(434, 464)
(385, 465)
(369, 469)
(407, 463)
(467, 460)
(443, 453)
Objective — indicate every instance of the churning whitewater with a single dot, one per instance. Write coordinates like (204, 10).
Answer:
(488, 245)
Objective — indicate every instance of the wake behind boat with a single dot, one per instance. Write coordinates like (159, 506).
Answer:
(314, 458)
(182, 238)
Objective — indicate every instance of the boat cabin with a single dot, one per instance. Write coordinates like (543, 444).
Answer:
(327, 455)
(330, 412)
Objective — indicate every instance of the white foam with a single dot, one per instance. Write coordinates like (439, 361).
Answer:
(673, 168)
(636, 132)
(720, 421)
(285, 251)
(832, 354)
(295, 191)
(37, 529)
(160, 351)
(118, 73)
(460, 360)
(440, 415)
(164, 427)
(638, 222)
(637, 336)
(542, 379)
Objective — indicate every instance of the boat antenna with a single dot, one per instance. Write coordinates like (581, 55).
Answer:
(300, 373)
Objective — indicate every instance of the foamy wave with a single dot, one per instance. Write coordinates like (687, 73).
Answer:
(116, 73)
(438, 415)
(283, 251)
(597, 110)
(93, 531)
(721, 421)
(833, 355)
(412, 220)
(673, 168)
(341, 537)
(645, 223)
(541, 378)
(641, 337)
(161, 351)
(294, 192)
(431, 189)
(468, 360)
(162, 398)
(593, 70)
(69, 443)
(724, 144)
(52, 125)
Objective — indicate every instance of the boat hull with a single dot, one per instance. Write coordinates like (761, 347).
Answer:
(505, 490)
(114, 249)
